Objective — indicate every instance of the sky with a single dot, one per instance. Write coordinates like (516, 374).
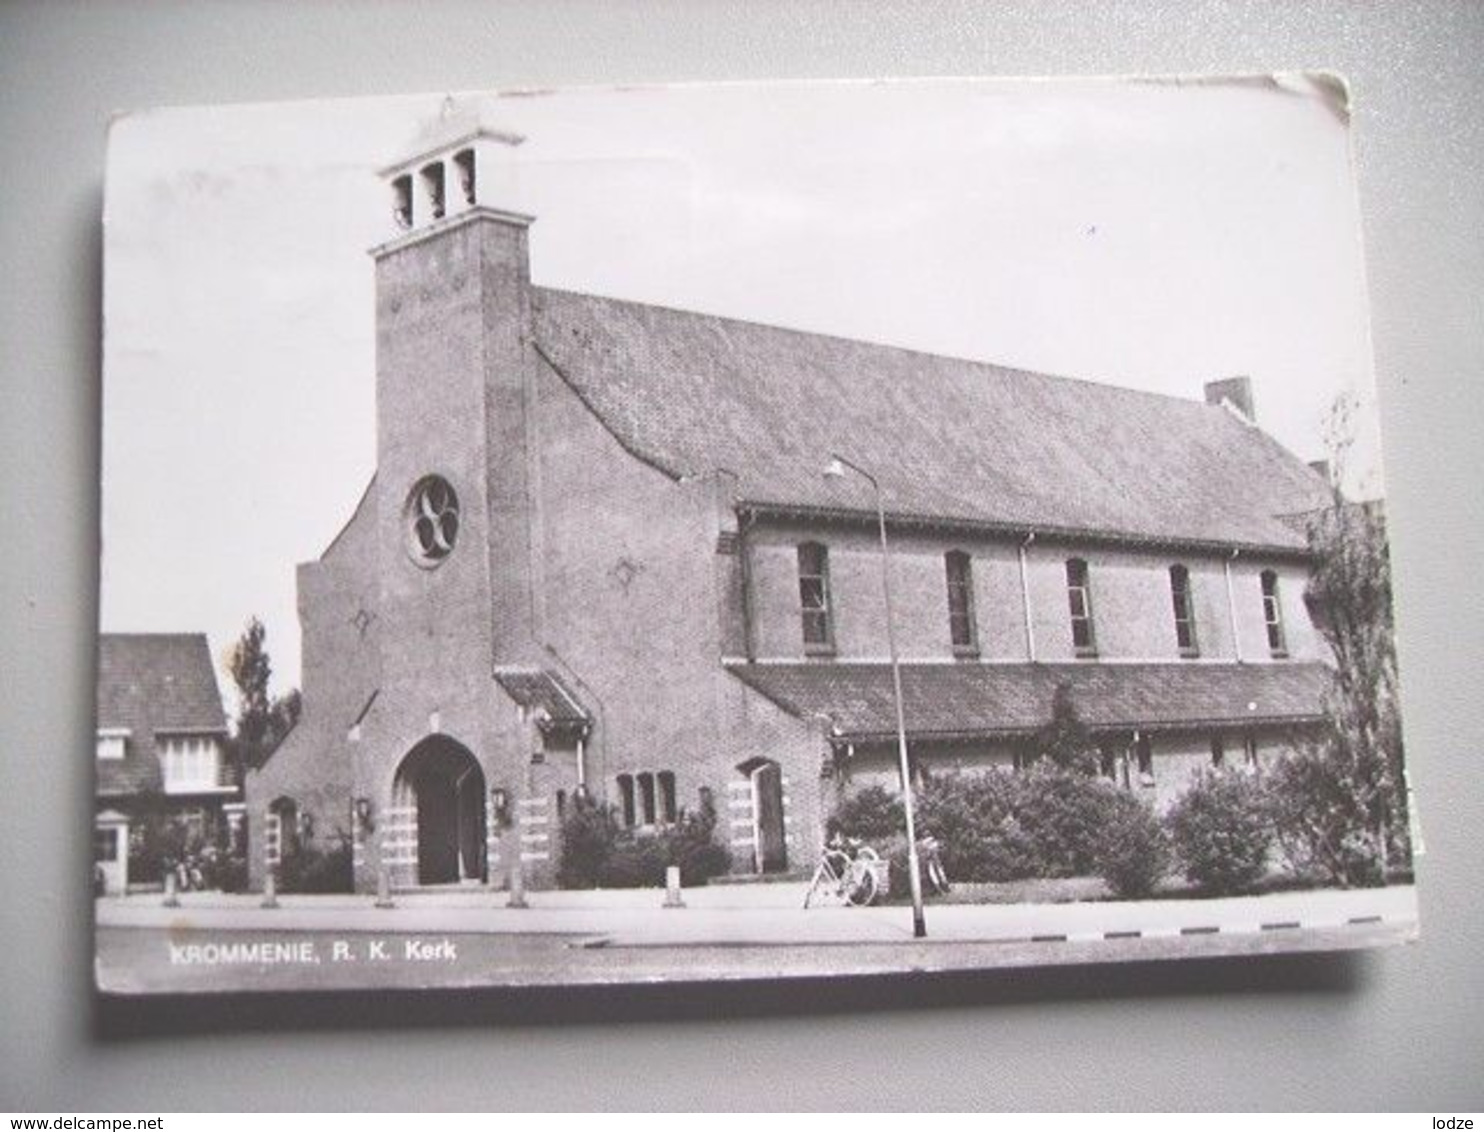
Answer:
(1150, 234)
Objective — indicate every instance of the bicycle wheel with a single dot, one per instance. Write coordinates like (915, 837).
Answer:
(862, 887)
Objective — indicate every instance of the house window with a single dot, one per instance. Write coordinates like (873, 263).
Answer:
(1272, 614)
(1079, 600)
(647, 798)
(432, 177)
(666, 780)
(463, 163)
(190, 763)
(1249, 751)
(1184, 611)
(106, 843)
(112, 745)
(1144, 754)
(814, 598)
(626, 798)
(961, 628)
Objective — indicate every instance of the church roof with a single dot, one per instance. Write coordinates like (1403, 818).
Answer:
(949, 439)
(959, 700)
(152, 684)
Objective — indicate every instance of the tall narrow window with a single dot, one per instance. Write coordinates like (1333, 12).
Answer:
(1272, 614)
(961, 628)
(626, 797)
(814, 598)
(646, 797)
(1144, 758)
(1079, 599)
(1184, 611)
(1218, 751)
(666, 780)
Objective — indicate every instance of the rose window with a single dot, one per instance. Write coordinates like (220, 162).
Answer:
(433, 515)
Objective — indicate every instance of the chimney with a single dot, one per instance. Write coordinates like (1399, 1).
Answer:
(1320, 469)
(1235, 393)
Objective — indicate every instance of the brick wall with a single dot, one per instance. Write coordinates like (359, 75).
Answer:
(1131, 600)
(635, 600)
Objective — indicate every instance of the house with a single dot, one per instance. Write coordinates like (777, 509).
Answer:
(601, 555)
(161, 753)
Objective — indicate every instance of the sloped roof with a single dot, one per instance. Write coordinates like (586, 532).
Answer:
(152, 684)
(542, 690)
(964, 700)
(948, 438)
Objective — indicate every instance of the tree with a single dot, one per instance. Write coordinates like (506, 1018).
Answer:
(1064, 740)
(262, 720)
(1349, 600)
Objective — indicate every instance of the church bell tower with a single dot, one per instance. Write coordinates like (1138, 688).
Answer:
(453, 382)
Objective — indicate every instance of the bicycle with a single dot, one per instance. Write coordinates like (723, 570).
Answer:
(929, 850)
(846, 873)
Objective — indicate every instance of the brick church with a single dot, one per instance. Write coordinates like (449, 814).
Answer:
(600, 554)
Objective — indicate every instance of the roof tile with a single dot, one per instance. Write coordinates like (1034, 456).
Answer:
(953, 700)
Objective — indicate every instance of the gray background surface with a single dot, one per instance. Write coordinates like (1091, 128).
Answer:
(1393, 1030)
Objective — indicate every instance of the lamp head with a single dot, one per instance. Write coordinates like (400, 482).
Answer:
(835, 469)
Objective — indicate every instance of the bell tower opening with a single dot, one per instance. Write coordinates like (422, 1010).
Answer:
(460, 163)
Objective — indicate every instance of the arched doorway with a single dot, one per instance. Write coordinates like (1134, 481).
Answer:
(442, 783)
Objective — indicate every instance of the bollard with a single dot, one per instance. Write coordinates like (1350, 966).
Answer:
(270, 890)
(171, 900)
(517, 886)
(384, 888)
(672, 887)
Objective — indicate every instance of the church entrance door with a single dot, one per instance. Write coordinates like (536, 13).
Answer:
(767, 801)
(447, 789)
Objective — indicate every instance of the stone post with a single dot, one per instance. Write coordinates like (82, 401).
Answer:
(672, 887)
(171, 899)
(384, 886)
(270, 888)
(517, 881)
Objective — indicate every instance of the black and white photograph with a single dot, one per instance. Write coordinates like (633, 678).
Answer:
(756, 530)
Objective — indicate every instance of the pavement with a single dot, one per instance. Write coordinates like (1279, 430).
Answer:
(762, 915)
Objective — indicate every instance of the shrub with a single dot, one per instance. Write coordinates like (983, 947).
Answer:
(872, 814)
(1064, 740)
(318, 870)
(1061, 813)
(598, 852)
(1133, 849)
(231, 874)
(692, 845)
(636, 861)
(1321, 826)
(1222, 830)
(974, 819)
(589, 836)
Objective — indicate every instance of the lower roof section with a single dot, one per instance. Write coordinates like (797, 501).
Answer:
(969, 700)
(542, 690)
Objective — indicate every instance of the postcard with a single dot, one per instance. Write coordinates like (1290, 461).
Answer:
(744, 531)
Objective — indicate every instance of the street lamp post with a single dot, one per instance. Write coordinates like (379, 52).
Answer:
(836, 469)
